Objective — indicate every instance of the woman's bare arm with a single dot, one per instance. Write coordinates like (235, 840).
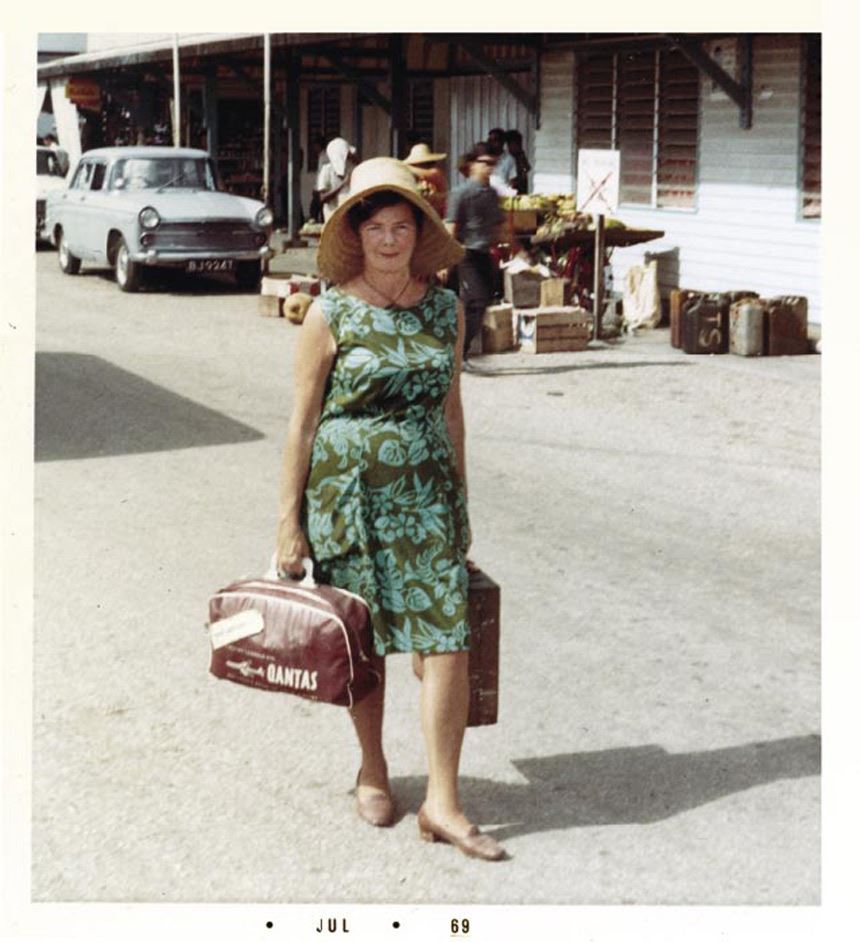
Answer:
(315, 353)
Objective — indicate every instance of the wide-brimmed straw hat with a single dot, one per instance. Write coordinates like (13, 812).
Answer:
(340, 257)
(421, 154)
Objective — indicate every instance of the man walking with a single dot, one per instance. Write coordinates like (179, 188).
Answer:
(473, 218)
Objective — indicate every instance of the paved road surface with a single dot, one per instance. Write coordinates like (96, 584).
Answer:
(654, 522)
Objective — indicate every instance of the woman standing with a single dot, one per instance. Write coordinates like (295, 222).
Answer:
(374, 472)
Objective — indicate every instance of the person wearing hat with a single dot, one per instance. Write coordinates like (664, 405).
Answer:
(432, 183)
(373, 485)
(475, 218)
(333, 177)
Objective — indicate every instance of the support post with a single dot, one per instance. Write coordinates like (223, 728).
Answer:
(294, 169)
(177, 114)
(397, 79)
(210, 111)
(267, 115)
(598, 273)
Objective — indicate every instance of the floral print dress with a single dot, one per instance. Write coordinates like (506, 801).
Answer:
(384, 509)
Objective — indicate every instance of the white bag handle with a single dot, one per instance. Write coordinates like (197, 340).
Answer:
(307, 582)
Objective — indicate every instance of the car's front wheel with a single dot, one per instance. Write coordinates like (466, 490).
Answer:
(129, 274)
(69, 263)
(248, 275)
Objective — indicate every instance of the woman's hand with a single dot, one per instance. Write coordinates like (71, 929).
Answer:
(292, 549)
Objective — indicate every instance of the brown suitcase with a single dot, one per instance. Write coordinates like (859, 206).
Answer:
(484, 606)
(786, 333)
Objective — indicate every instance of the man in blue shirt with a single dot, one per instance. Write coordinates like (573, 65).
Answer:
(473, 217)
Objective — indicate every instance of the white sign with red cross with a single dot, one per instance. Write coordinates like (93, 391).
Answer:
(597, 181)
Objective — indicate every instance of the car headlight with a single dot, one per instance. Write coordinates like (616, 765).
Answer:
(264, 217)
(149, 217)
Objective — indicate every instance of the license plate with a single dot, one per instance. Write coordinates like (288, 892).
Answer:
(210, 264)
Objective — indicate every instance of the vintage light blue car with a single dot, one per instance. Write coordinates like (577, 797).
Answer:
(129, 208)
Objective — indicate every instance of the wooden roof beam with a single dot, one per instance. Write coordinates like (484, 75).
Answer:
(368, 89)
(491, 67)
(739, 92)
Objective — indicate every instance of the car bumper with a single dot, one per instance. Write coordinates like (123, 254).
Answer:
(157, 257)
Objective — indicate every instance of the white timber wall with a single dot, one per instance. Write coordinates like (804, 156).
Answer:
(746, 231)
(553, 163)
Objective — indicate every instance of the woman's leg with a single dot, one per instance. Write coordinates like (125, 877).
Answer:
(444, 710)
(367, 718)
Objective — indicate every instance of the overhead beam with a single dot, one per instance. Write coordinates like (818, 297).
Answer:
(491, 67)
(739, 92)
(369, 90)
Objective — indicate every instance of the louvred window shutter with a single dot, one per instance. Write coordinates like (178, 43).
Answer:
(595, 109)
(678, 135)
(636, 91)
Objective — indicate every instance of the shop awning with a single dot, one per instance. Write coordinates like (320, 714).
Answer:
(205, 44)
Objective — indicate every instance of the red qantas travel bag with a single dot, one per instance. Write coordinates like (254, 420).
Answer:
(310, 640)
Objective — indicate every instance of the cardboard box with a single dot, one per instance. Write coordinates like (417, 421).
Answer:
(553, 329)
(270, 305)
(522, 289)
(555, 292)
(524, 220)
(275, 285)
(497, 329)
(305, 284)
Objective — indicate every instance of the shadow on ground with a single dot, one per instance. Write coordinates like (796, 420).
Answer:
(86, 407)
(485, 372)
(637, 785)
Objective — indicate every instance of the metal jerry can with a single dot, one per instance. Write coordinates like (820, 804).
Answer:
(786, 326)
(484, 604)
(746, 328)
(705, 325)
(680, 300)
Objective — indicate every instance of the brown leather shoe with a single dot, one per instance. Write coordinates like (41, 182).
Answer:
(377, 809)
(473, 844)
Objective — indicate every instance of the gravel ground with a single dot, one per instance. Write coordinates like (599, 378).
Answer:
(652, 518)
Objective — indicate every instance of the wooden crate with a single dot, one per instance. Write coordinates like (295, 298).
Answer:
(553, 329)
(270, 305)
(522, 289)
(497, 329)
(555, 292)
(484, 609)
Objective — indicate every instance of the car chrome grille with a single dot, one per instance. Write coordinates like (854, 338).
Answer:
(40, 211)
(219, 236)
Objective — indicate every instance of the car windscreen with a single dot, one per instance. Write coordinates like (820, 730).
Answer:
(151, 173)
(48, 164)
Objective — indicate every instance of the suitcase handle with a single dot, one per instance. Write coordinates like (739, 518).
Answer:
(275, 574)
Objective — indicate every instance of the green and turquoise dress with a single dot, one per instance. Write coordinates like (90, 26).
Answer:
(385, 509)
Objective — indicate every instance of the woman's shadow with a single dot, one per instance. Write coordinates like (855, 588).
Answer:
(635, 785)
